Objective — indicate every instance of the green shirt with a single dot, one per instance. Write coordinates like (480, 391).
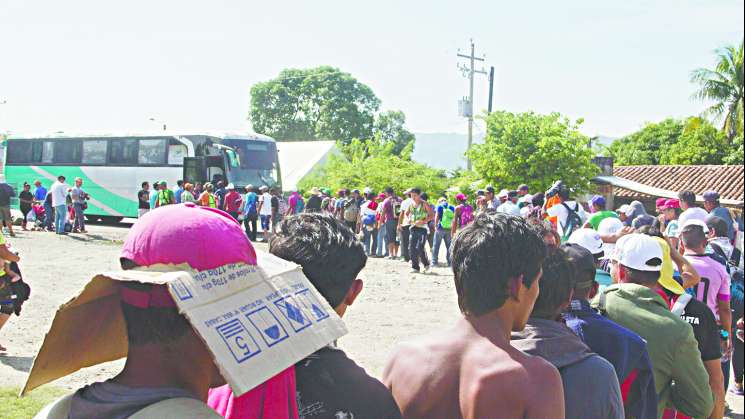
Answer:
(596, 218)
(680, 378)
(166, 197)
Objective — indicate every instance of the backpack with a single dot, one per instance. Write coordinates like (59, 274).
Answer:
(573, 222)
(446, 221)
(299, 205)
(466, 215)
(737, 282)
(351, 210)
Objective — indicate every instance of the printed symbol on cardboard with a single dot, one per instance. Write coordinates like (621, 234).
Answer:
(311, 304)
(240, 343)
(181, 290)
(268, 325)
(293, 313)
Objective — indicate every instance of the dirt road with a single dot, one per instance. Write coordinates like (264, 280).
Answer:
(394, 305)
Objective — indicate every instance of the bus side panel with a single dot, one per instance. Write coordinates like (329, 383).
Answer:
(113, 190)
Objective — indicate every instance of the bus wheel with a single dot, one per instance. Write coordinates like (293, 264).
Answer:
(111, 219)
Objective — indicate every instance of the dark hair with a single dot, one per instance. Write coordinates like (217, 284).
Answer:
(563, 193)
(557, 284)
(650, 230)
(424, 196)
(487, 254)
(718, 225)
(180, 182)
(693, 236)
(416, 191)
(538, 199)
(61, 178)
(145, 183)
(640, 277)
(327, 250)
(388, 190)
(689, 197)
(152, 325)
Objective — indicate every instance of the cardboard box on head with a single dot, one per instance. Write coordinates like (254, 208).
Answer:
(256, 320)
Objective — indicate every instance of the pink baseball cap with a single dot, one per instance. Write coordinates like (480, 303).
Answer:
(659, 202)
(204, 238)
(460, 197)
(671, 203)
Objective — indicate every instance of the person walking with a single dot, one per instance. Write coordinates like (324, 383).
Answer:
(419, 214)
(390, 222)
(232, 201)
(58, 191)
(463, 213)
(26, 202)
(250, 212)
(265, 209)
(368, 223)
(154, 195)
(444, 220)
(165, 195)
(404, 225)
(79, 198)
(207, 198)
(143, 200)
(188, 195)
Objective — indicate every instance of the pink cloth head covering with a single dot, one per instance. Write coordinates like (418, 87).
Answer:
(204, 238)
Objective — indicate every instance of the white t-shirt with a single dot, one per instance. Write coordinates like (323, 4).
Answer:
(561, 214)
(266, 207)
(692, 213)
(59, 193)
(404, 206)
(509, 208)
(365, 209)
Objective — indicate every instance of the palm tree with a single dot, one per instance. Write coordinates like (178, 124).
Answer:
(723, 86)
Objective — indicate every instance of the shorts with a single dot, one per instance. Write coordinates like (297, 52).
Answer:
(265, 219)
(390, 232)
(5, 215)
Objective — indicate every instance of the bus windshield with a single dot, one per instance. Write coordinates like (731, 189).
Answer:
(258, 163)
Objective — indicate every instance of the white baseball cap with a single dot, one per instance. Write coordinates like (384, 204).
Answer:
(695, 222)
(230, 186)
(625, 209)
(610, 225)
(587, 238)
(614, 254)
(640, 252)
(504, 193)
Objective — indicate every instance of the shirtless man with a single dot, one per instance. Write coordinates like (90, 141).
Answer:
(471, 371)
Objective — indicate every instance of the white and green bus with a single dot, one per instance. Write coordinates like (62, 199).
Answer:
(113, 167)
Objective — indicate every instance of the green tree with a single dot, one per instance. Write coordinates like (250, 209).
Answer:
(699, 143)
(724, 86)
(371, 164)
(533, 149)
(389, 127)
(321, 103)
(646, 145)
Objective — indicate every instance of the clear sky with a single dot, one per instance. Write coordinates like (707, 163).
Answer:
(95, 66)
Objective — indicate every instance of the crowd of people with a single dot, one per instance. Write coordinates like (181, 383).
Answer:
(569, 308)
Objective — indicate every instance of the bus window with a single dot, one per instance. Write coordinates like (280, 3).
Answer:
(94, 151)
(152, 152)
(123, 152)
(47, 152)
(24, 152)
(176, 153)
(67, 151)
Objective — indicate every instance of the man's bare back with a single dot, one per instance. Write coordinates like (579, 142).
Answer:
(468, 372)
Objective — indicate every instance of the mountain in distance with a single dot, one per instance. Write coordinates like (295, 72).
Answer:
(443, 150)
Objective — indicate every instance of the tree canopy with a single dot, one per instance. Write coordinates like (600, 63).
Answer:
(389, 127)
(375, 165)
(321, 103)
(724, 86)
(533, 149)
(673, 141)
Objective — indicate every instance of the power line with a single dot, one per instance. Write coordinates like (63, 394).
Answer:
(467, 108)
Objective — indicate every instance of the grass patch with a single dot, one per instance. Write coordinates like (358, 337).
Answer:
(14, 407)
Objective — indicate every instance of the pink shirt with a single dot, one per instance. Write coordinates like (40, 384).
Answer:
(715, 282)
(274, 399)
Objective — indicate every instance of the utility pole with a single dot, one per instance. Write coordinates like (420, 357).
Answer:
(491, 87)
(469, 71)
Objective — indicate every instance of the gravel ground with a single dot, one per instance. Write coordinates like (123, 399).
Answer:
(394, 305)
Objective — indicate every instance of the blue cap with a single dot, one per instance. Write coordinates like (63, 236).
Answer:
(598, 200)
(711, 196)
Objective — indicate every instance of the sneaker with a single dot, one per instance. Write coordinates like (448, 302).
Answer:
(414, 271)
(737, 391)
(427, 270)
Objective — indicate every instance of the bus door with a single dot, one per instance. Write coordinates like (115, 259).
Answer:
(204, 169)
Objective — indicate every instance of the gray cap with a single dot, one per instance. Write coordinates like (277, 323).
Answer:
(711, 196)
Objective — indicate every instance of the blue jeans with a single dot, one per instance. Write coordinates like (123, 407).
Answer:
(48, 216)
(59, 218)
(369, 240)
(440, 235)
(381, 249)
